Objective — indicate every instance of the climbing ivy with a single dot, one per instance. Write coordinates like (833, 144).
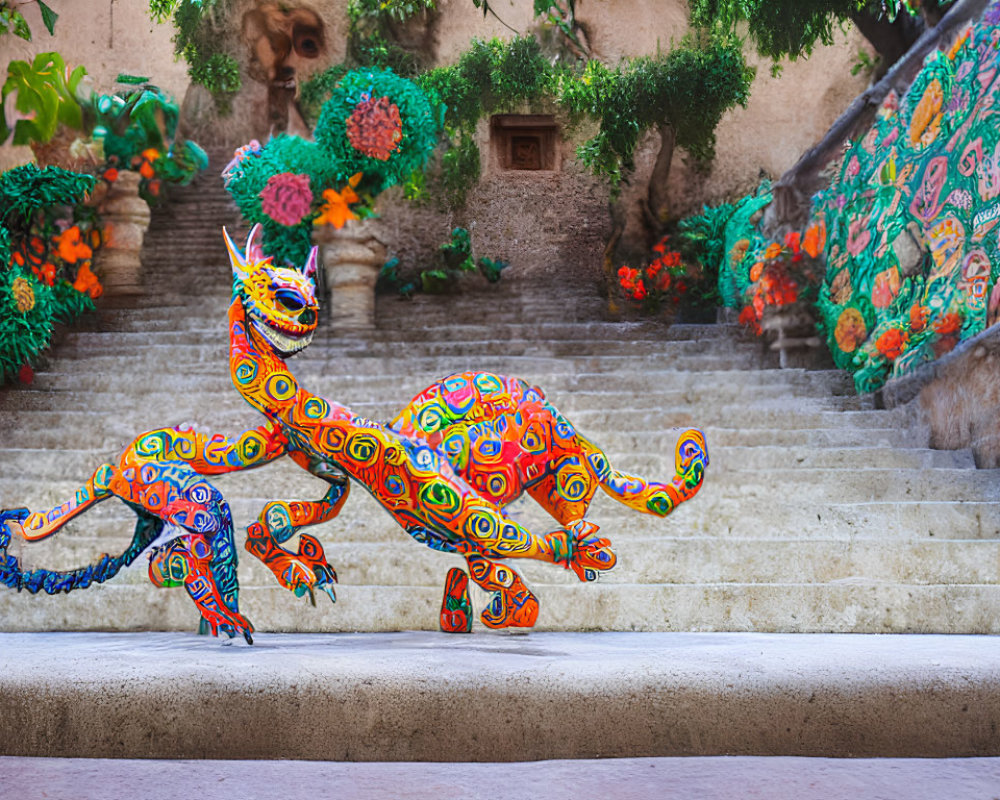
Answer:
(197, 42)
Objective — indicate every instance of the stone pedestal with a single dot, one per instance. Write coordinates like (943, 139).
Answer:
(126, 218)
(352, 257)
(792, 331)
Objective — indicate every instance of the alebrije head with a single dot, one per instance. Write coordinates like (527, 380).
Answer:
(280, 302)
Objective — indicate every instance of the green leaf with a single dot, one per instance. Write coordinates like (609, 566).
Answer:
(49, 17)
(21, 26)
(131, 80)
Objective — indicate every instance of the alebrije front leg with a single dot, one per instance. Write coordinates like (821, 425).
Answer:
(307, 569)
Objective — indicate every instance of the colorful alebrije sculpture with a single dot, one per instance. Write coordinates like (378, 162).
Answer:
(444, 468)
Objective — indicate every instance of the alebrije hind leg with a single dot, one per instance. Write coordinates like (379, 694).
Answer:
(456, 607)
(185, 561)
(512, 605)
(174, 492)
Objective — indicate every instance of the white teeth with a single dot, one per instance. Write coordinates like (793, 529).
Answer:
(285, 345)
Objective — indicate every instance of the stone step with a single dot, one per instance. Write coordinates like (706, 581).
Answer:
(641, 560)
(180, 353)
(865, 606)
(467, 335)
(769, 513)
(37, 462)
(401, 696)
(44, 430)
(217, 391)
(53, 429)
(343, 376)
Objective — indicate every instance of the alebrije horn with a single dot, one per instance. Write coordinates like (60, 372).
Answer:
(254, 252)
(309, 270)
(234, 254)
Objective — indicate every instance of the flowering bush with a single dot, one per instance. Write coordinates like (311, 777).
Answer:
(781, 274)
(378, 124)
(46, 250)
(662, 282)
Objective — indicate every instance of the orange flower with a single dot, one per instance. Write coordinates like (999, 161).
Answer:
(146, 170)
(814, 239)
(35, 251)
(918, 317)
(151, 154)
(46, 273)
(18, 258)
(86, 281)
(850, 330)
(949, 323)
(749, 318)
(336, 210)
(71, 247)
(110, 175)
(892, 343)
(756, 270)
(773, 250)
(793, 240)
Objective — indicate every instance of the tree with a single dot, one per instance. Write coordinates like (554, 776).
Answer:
(791, 28)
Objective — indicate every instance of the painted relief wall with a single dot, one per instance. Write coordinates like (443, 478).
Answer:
(913, 215)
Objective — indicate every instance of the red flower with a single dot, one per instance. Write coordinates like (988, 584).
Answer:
(892, 343)
(949, 323)
(46, 273)
(375, 128)
(26, 374)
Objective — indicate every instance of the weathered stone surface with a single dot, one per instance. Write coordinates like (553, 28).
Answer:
(958, 397)
(490, 697)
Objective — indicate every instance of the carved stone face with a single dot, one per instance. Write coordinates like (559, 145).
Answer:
(280, 302)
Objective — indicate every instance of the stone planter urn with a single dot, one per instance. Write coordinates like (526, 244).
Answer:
(352, 258)
(792, 332)
(126, 218)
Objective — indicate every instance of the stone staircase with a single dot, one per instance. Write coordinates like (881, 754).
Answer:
(819, 512)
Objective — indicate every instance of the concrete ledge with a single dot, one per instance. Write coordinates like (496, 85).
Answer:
(420, 696)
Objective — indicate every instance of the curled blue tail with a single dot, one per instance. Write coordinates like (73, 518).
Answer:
(147, 529)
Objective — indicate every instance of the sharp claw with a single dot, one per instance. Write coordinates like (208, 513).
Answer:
(312, 597)
(247, 636)
(328, 588)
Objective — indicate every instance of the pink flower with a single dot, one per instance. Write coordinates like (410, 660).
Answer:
(287, 198)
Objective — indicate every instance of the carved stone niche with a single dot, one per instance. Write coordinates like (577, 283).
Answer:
(283, 41)
(525, 142)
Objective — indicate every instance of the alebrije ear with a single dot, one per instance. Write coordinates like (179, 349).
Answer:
(309, 270)
(254, 252)
(236, 258)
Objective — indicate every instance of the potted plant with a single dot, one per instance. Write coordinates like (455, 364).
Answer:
(374, 131)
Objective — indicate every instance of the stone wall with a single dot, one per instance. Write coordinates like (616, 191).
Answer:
(958, 398)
